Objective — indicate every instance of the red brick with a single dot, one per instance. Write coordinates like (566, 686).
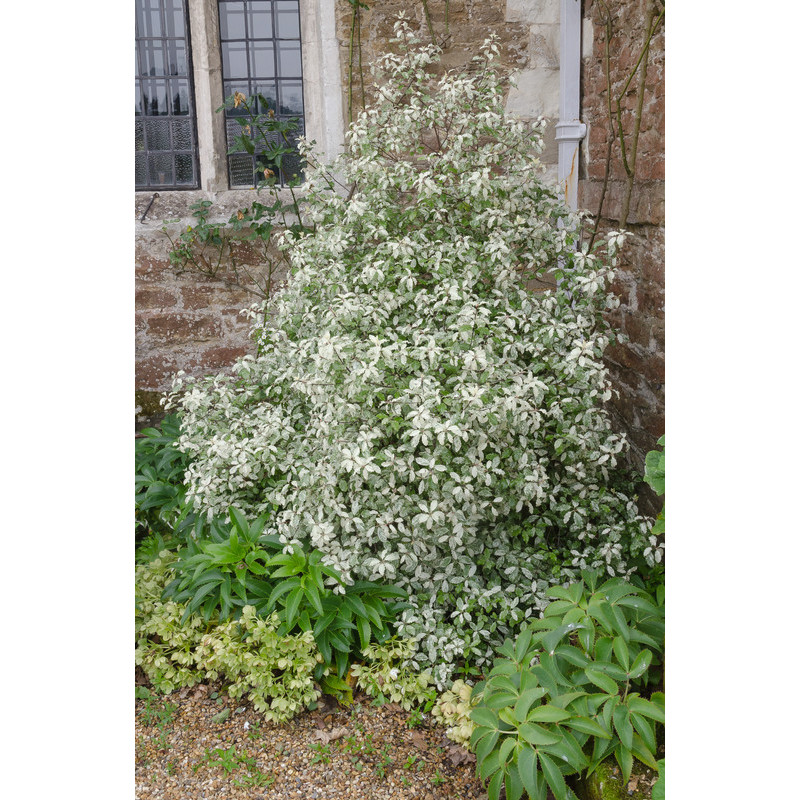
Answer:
(182, 328)
(151, 297)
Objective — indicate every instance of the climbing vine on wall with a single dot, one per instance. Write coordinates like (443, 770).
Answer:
(628, 143)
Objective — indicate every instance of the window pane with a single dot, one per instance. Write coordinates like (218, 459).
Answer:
(176, 58)
(184, 168)
(241, 169)
(287, 13)
(157, 134)
(234, 59)
(291, 98)
(259, 20)
(160, 172)
(182, 135)
(262, 60)
(270, 93)
(289, 63)
(164, 105)
(231, 21)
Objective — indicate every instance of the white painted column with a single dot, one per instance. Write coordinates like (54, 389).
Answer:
(569, 129)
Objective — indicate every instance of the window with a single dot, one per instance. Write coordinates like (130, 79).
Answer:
(261, 55)
(166, 142)
(192, 54)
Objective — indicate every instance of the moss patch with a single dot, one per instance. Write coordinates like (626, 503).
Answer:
(606, 783)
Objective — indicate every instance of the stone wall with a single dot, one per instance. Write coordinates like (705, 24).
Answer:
(527, 32)
(183, 321)
(637, 366)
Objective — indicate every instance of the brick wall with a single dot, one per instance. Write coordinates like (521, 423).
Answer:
(637, 367)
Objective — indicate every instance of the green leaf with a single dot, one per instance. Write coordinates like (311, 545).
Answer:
(640, 664)
(589, 726)
(553, 777)
(640, 749)
(623, 726)
(525, 701)
(601, 680)
(494, 785)
(490, 765)
(646, 730)
(550, 640)
(312, 593)
(625, 761)
(537, 735)
(658, 787)
(499, 700)
(485, 717)
(514, 787)
(621, 652)
(292, 604)
(506, 747)
(485, 745)
(548, 713)
(646, 708)
(522, 644)
(529, 771)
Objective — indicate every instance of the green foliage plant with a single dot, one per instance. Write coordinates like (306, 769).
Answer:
(563, 697)
(414, 411)
(238, 565)
(160, 467)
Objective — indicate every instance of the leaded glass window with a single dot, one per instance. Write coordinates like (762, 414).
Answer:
(260, 42)
(166, 139)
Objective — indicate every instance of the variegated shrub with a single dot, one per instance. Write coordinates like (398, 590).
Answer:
(414, 410)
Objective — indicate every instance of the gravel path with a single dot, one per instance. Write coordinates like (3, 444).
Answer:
(200, 744)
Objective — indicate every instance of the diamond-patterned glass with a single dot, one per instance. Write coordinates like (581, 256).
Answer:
(166, 141)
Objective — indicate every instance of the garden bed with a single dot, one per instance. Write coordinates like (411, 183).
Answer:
(201, 744)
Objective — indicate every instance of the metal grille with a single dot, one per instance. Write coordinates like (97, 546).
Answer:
(260, 42)
(166, 138)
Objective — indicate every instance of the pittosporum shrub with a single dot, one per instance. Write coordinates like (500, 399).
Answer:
(414, 411)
